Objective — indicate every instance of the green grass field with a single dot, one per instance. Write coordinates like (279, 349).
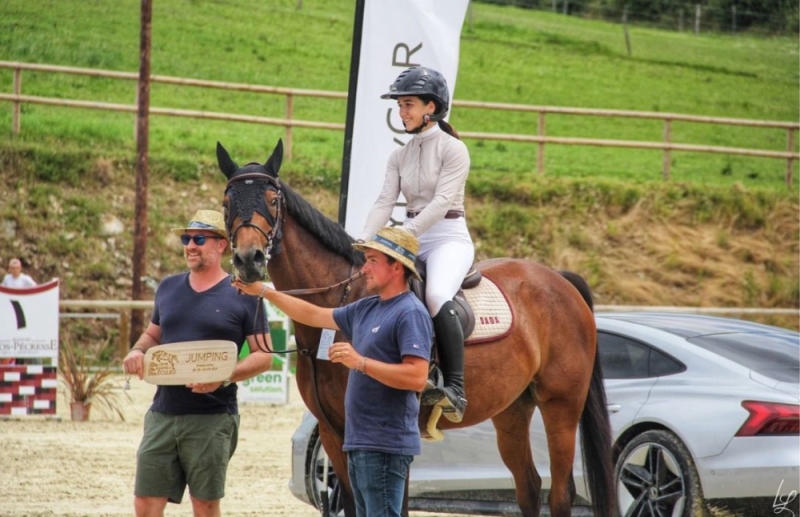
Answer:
(507, 55)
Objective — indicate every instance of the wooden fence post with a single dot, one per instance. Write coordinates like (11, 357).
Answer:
(680, 20)
(697, 18)
(15, 107)
(288, 129)
(540, 154)
(789, 161)
(667, 140)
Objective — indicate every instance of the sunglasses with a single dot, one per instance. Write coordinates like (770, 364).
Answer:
(198, 239)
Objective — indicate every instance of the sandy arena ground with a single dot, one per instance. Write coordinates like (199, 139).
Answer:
(58, 467)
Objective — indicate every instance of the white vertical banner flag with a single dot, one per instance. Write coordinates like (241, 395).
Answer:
(396, 35)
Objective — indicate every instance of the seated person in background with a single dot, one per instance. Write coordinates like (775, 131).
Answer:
(15, 278)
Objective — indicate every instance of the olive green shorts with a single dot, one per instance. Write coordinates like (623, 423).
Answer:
(180, 450)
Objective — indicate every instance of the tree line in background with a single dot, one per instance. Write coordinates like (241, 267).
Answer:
(772, 16)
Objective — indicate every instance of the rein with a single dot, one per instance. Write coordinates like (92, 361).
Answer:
(300, 292)
(314, 290)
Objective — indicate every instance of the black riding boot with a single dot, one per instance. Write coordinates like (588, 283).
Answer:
(450, 338)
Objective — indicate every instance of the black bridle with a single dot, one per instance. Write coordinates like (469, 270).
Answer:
(275, 234)
(258, 205)
(273, 242)
(245, 216)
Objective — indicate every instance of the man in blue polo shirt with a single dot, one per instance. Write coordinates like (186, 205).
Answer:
(391, 333)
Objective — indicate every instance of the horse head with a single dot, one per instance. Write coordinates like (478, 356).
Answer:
(253, 211)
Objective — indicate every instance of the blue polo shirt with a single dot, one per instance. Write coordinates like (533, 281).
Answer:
(378, 417)
(186, 315)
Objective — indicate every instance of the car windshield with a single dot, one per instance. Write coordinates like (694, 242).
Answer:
(775, 355)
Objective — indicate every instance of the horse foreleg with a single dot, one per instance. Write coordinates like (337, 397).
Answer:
(561, 423)
(338, 459)
(513, 441)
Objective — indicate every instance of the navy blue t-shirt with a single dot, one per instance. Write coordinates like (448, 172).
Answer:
(186, 315)
(378, 417)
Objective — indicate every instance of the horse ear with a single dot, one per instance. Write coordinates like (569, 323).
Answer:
(273, 164)
(226, 165)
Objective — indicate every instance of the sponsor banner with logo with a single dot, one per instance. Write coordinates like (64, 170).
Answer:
(395, 35)
(271, 386)
(29, 322)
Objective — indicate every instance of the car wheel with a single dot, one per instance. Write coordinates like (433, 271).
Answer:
(315, 471)
(656, 476)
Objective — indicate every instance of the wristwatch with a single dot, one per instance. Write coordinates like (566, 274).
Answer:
(226, 383)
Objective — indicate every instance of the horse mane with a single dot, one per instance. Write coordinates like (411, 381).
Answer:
(330, 234)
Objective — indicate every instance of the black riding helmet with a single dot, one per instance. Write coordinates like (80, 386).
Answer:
(421, 81)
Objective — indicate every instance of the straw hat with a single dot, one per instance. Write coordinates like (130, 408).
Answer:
(210, 220)
(396, 243)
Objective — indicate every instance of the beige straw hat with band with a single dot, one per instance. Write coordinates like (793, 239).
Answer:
(396, 243)
(210, 220)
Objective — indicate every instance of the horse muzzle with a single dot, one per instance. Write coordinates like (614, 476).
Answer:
(250, 264)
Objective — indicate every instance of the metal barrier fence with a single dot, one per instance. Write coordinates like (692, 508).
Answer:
(540, 138)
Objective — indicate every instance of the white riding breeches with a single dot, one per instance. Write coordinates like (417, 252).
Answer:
(448, 253)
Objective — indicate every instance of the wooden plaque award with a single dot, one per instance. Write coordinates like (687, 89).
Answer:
(190, 362)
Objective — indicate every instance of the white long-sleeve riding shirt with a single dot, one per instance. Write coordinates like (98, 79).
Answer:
(431, 171)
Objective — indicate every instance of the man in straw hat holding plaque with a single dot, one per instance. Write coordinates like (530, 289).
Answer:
(191, 430)
(391, 333)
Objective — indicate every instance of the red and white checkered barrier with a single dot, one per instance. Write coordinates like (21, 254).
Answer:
(28, 389)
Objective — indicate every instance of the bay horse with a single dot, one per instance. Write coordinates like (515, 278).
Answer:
(547, 360)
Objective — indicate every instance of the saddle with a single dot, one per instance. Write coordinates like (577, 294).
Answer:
(481, 306)
(463, 309)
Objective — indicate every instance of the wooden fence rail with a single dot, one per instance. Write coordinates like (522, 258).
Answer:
(289, 122)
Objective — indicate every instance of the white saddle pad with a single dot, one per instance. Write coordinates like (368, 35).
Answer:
(493, 316)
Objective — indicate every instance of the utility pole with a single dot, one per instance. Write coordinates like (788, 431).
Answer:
(142, 144)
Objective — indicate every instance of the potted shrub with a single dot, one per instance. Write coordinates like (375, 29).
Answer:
(88, 376)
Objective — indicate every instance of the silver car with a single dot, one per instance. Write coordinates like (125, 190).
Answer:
(705, 414)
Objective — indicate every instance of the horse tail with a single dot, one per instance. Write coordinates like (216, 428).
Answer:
(581, 285)
(596, 438)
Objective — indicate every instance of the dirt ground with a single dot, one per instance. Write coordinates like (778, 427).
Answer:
(56, 467)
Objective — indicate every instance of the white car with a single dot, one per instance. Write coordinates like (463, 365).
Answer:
(705, 414)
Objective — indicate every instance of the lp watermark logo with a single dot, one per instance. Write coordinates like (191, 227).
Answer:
(782, 502)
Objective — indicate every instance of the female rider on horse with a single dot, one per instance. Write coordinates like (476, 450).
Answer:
(431, 171)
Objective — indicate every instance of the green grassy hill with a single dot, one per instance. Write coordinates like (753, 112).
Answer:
(507, 55)
(723, 231)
